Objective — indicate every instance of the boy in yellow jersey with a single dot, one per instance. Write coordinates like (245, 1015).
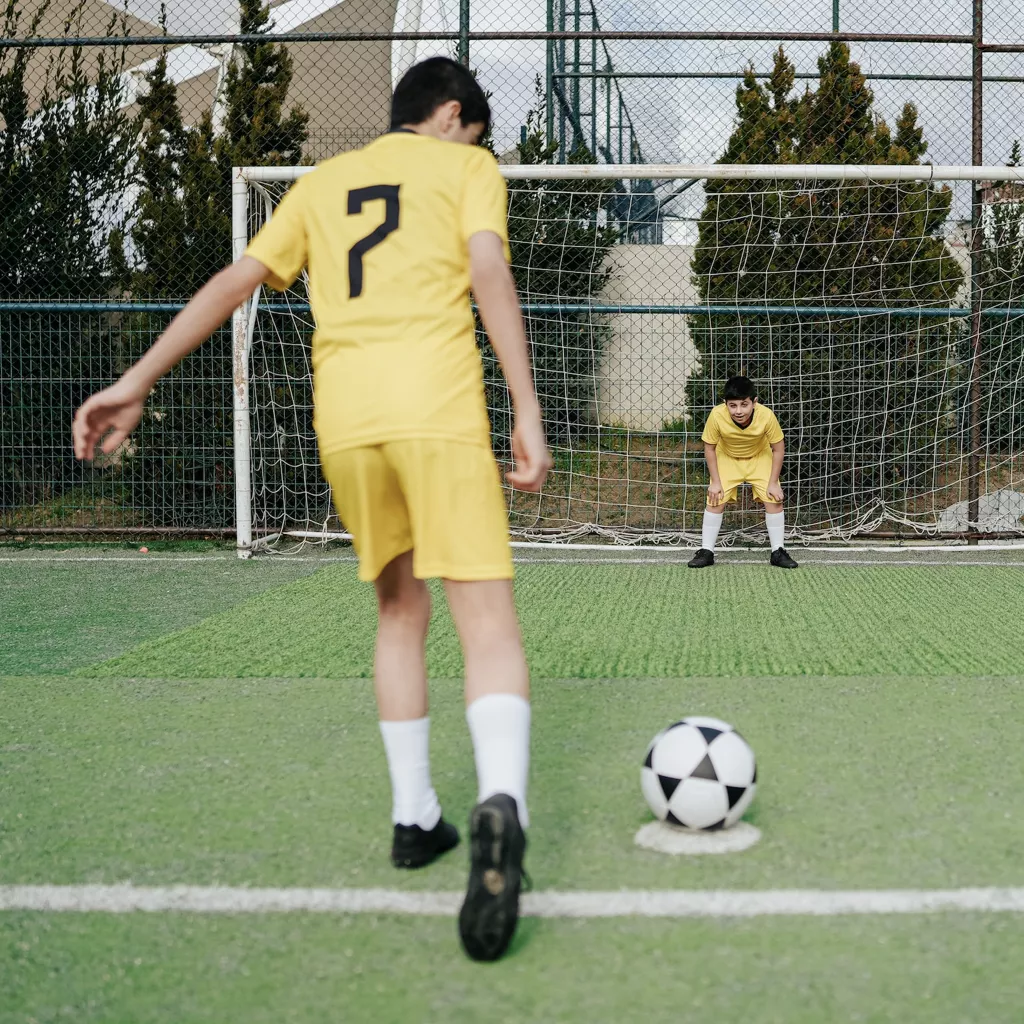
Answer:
(743, 443)
(394, 236)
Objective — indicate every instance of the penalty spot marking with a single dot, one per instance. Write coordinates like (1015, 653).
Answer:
(126, 899)
(656, 835)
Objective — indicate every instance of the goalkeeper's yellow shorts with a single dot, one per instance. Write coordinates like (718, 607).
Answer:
(734, 472)
(442, 500)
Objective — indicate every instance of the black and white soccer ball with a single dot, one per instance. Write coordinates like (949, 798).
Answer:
(699, 773)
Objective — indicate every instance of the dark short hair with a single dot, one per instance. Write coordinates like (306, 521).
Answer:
(738, 388)
(429, 84)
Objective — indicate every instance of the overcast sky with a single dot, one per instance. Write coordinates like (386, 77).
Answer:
(688, 120)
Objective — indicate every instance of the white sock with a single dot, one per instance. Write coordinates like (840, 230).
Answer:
(407, 745)
(709, 529)
(500, 726)
(776, 523)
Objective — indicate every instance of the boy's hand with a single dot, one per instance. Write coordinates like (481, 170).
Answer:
(530, 453)
(775, 492)
(716, 495)
(114, 411)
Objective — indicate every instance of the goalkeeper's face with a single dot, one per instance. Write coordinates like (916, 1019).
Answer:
(741, 409)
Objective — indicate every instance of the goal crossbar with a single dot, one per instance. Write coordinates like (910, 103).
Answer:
(719, 172)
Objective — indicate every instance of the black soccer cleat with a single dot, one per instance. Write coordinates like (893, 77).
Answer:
(415, 847)
(702, 559)
(497, 843)
(780, 558)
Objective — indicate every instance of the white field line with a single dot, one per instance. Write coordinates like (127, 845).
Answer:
(726, 560)
(126, 898)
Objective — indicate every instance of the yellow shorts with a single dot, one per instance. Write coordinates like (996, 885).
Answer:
(756, 472)
(442, 500)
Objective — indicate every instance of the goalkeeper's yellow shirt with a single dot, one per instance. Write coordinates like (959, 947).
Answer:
(384, 233)
(738, 442)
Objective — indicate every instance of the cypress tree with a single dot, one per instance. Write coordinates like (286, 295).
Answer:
(181, 237)
(559, 242)
(863, 398)
(1002, 340)
(64, 167)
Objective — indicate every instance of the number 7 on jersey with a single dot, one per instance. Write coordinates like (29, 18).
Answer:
(357, 197)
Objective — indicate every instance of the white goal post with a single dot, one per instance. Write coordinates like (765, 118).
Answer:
(879, 309)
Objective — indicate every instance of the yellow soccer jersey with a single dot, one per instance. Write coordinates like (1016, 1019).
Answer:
(383, 231)
(738, 442)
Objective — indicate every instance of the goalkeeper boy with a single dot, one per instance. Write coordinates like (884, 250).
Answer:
(743, 443)
(394, 236)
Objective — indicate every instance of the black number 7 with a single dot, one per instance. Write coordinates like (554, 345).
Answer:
(356, 198)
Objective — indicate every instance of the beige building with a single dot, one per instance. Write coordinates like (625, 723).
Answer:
(345, 88)
(74, 18)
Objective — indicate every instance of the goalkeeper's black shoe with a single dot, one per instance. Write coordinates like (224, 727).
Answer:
(702, 559)
(497, 843)
(415, 847)
(780, 559)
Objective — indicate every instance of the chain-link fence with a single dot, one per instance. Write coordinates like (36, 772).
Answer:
(120, 123)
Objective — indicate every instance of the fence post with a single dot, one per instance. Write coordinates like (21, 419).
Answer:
(977, 228)
(549, 62)
(464, 33)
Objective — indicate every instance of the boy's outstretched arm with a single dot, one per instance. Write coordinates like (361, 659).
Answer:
(715, 493)
(113, 413)
(495, 292)
(778, 454)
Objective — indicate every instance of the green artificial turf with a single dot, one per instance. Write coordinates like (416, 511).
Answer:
(61, 613)
(863, 782)
(209, 722)
(300, 969)
(601, 621)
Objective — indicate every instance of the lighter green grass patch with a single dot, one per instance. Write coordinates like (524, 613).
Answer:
(600, 621)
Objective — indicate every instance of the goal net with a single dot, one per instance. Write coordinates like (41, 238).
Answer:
(881, 323)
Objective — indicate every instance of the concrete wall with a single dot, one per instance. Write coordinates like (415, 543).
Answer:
(649, 356)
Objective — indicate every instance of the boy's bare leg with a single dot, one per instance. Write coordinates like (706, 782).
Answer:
(485, 617)
(400, 670)
(400, 679)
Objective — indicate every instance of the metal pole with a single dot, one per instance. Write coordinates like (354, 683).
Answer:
(835, 15)
(621, 116)
(593, 89)
(575, 90)
(549, 97)
(560, 64)
(464, 33)
(608, 107)
(974, 422)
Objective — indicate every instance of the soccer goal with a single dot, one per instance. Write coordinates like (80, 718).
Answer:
(879, 309)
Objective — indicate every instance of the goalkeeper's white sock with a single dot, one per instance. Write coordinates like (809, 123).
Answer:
(500, 726)
(709, 529)
(407, 745)
(776, 523)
